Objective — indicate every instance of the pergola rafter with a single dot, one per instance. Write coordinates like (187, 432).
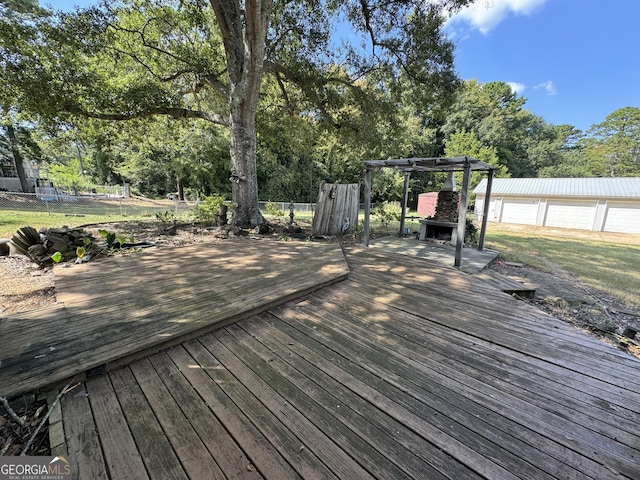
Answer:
(433, 164)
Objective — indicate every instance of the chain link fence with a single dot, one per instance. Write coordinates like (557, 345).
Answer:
(111, 205)
(105, 205)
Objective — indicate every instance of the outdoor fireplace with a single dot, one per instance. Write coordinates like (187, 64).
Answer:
(444, 224)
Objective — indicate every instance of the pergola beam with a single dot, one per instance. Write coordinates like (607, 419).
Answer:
(485, 210)
(367, 205)
(462, 214)
(405, 199)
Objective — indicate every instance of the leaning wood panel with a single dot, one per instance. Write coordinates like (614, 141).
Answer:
(337, 209)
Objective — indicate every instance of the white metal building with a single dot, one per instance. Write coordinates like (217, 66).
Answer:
(599, 204)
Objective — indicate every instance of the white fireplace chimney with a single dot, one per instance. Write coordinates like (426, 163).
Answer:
(449, 183)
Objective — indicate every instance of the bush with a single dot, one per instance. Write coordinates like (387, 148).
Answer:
(387, 212)
(166, 216)
(206, 212)
(273, 210)
(471, 233)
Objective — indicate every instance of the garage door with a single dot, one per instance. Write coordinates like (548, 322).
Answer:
(571, 215)
(520, 211)
(624, 218)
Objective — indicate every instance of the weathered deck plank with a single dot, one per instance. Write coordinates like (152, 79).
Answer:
(255, 373)
(159, 455)
(140, 303)
(465, 400)
(454, 292)
(229, 456)
(120, 451)
(83, 444)
(326, 382)
(261, 452)
(405, 370)
(499, 367)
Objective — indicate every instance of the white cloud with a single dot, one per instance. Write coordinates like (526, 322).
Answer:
(516, 87)
(548, 87)
(484, 15)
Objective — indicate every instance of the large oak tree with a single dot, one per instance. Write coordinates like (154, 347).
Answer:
(206, 60)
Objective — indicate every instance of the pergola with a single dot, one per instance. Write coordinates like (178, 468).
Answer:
(454, 164)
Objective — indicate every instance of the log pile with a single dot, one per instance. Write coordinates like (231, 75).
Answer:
(54, 244)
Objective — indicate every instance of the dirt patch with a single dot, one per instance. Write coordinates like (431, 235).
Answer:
(24, 285)
(562, 295)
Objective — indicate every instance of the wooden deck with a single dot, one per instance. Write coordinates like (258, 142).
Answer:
(408, 369)
(132, 305)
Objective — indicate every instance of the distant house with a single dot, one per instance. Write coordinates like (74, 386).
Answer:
(599, 204)
(9, 180)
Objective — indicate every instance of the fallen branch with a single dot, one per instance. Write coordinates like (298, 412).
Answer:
(604, 307)
(5, 449)
(20, 420)
(46, 417)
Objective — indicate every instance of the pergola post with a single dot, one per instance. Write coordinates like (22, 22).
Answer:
(485, 210)
(405, 199)
(462, 212)
(367, 204)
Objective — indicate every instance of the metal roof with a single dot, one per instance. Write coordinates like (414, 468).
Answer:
(622, 187)
(433, 164)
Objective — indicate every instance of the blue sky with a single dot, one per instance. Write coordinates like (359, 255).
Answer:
(575, 61)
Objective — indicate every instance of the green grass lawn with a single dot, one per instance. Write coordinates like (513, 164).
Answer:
(10, 221)
(88, 211)
(613, 268)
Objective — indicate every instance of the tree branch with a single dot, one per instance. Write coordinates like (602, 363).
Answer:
(216, 84)
(366, 13)
(228, 16)
(173, 112)
(46, 417)
(146, 44)
(19, 420)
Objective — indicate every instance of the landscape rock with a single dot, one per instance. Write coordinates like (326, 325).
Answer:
(5, 249)
(41, 246)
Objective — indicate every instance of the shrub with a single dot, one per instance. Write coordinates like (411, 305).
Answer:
(387, 212)
(273, 210)
(206, 212)
(166, 216)
(471, 233)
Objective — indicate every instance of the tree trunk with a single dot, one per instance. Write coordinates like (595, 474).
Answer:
(180, 187)
(17, 158)
(244, 33)
(244, 178)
